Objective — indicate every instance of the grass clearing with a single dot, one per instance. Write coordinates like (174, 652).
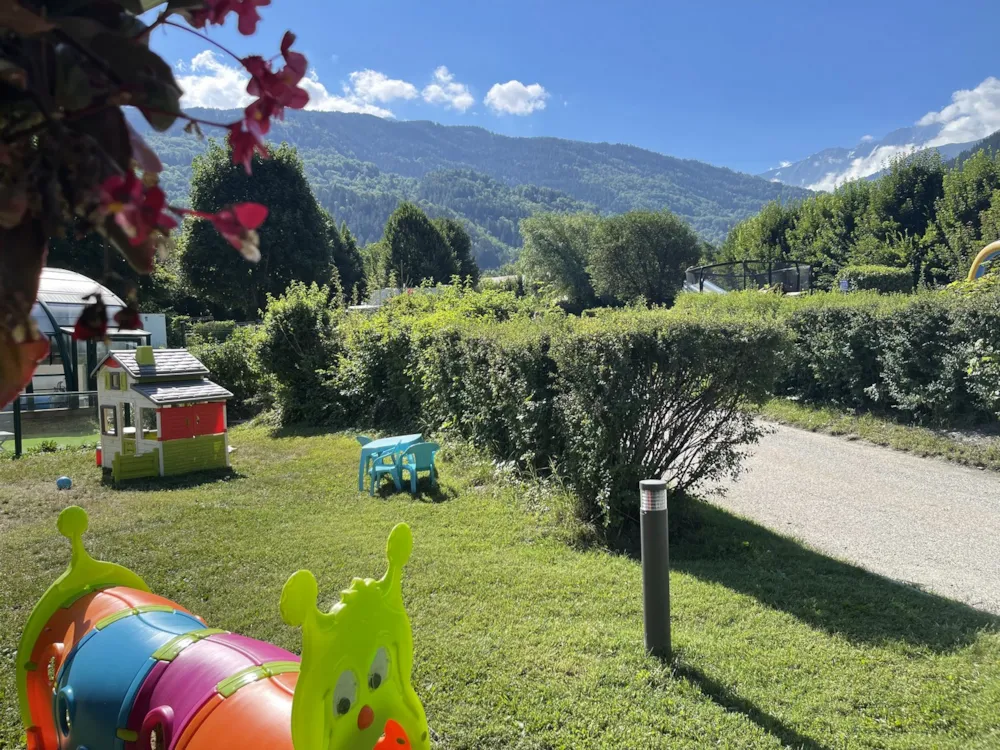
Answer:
(523, 638)
(982, 452)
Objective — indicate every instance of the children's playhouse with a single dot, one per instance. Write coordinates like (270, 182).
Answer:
(159, 414)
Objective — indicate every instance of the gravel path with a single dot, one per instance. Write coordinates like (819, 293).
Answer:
(922, 521)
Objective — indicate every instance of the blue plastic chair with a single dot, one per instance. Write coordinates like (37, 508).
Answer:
(380, 468)
(419, 457)
(363, 439)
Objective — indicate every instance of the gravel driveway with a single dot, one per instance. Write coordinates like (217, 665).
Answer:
(923, 521)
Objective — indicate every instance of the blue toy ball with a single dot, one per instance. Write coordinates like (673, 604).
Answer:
(64, 483)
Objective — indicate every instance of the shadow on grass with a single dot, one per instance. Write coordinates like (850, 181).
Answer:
(426, 493)
(177, 482)
(839, 598)
(729, 701)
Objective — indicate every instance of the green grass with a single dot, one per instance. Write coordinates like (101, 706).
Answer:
(526, 636)
(983, 453)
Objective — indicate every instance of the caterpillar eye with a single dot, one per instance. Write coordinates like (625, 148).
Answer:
(345, 693)
(379, 671)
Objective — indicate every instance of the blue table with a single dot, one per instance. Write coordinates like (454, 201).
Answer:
(398, 442)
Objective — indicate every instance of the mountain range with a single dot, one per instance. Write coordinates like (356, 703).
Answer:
(361, 167)
(831, 167)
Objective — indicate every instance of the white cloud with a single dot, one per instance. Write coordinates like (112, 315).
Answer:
(784, 164)
(447, 91)
(322, 100)
(972, 114)
(212, 83)
(878, 160)
(515, 98)
(866, 138)
(372, 86)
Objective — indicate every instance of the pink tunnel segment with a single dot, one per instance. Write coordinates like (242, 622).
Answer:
(176, 690)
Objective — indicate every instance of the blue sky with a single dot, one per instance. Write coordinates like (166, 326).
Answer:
(739, 84)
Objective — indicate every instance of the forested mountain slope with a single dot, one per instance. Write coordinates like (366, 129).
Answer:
(361, 166)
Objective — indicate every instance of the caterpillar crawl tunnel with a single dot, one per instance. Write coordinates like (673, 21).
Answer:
(103, 664)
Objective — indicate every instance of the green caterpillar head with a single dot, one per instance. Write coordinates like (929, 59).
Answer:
(356, 660)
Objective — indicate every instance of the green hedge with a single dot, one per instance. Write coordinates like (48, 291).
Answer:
(235, 364)
(215, 330)
(929, 357)
(885, 279)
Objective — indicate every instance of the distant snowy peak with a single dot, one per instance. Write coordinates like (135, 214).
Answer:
(972, 115)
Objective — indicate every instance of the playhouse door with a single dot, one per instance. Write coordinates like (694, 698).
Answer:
(128, 416)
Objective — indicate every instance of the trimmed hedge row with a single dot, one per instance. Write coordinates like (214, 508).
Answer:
(931, 357)
(603, 402)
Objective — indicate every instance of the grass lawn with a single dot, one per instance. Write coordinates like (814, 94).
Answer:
(68, 441)
(524, 640)
(984, 452)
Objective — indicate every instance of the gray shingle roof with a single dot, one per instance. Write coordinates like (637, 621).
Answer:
(184, 390)
(166, 363)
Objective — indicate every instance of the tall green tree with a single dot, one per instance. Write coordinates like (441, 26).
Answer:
(642, 255)
(417, 249)
(967, 192)
(557, 251)
(763, 236)
(295, 241)
(460, 243)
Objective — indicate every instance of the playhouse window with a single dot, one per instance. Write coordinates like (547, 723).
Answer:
(147, 419)
(115, 381)
(109, 420)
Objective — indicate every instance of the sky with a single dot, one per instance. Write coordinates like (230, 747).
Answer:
(746, 85)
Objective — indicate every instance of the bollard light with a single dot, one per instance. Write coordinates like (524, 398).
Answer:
(655, 566)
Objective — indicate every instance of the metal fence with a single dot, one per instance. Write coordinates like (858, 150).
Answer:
(47, 419)
(791, 276)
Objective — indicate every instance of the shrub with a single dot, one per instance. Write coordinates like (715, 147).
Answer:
(641, 395)
(492, 384)
(300, 347)
(216, 330)
(234, 363)
(884, 279)
(920, 355)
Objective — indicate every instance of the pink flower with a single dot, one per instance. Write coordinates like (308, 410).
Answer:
(93, 320)
(245, 137)
(137, 208)
(215, 12)
(238, 225)
(282, 88)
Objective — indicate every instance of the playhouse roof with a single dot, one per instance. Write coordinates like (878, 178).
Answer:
(181, 391)
(166, 363)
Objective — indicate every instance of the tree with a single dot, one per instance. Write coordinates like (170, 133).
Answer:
(352, 263)
(417, 249)
(556, 252)
(460, 243)
(296, 239)
(642, 255)
(763, 236)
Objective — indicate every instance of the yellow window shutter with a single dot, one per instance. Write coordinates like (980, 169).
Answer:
(107, 380)
(123, 383)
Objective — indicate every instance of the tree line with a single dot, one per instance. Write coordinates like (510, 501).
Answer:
(922, 214)
(300, 241)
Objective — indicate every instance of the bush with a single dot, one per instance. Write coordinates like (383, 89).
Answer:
(234, 363)
(641, 395)
(884, 279)
(300, 348)
(215, 330)
(492, 384)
